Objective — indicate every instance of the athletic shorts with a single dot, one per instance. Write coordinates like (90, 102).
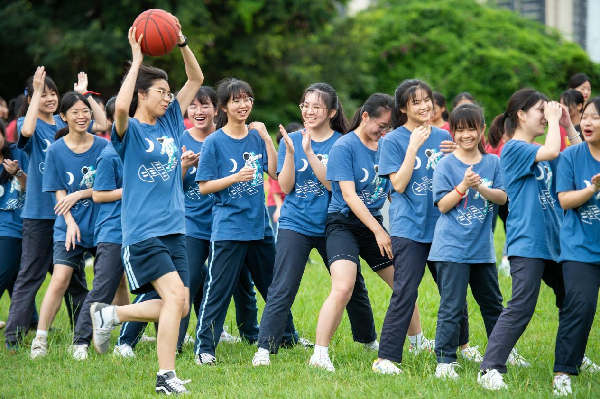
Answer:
(148, 260)
(72, 258)
(348, 239)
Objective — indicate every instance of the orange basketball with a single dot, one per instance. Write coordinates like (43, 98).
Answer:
(160, 32)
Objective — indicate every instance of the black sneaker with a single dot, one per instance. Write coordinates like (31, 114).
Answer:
(169, 384)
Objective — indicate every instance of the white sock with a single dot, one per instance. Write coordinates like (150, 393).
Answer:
(263, 350)
(163, 372)
(115, 317)
(321, 350)
(41, 333)
(416, 339)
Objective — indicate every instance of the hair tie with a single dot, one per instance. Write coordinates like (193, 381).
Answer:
(506, 115)
(25, 92)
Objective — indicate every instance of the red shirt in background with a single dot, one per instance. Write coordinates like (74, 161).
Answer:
(274, 188)
(11, 131)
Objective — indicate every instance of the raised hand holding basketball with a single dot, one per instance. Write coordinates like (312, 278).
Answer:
(136, 45)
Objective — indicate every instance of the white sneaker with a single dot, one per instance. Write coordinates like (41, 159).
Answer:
(504, 267)
(372, 346)
(79, 352)
(588, 366)
(446, 370)
(147, 338)
(491, 380)
(321, 361)
(39, 347)
(206, 359)
(188, 339)
(562, 385)
(103, 323)
(123, 350)
(230, 339)
(514, 359)
(261, 358)
(425, 345)
(305, 343)
(385, 366)
(472, 354)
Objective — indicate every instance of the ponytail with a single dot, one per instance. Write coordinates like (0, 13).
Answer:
(327, 93)
(375, 105)
(61, 133)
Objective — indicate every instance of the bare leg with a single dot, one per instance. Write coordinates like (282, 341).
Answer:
(122, 295)
(54, 295)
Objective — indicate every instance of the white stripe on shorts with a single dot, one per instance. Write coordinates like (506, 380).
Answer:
(132, 280)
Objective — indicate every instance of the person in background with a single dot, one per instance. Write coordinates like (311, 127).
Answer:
(440, 112)
(582, 83)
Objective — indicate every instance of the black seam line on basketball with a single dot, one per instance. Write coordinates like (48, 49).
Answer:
(162, 39)
(167, 21)
(146, 27)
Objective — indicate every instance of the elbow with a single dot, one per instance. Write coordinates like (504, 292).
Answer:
(26, 132)
(96, 197)
(443, 209)
(202, 186)
(400, 189)
(121, 110)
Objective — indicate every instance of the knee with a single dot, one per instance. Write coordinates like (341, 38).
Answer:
(185, 311)
(176, 298)
(342, 293)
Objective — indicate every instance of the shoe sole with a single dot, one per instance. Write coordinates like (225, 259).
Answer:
(92, 311)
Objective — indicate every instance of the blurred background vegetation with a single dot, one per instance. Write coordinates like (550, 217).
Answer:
(282, 46)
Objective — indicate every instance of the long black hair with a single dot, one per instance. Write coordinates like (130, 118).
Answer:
(440, 101)
(465, 95)
(48, 84)
(230, 89)
(147, 75)
(508, 121)
(571, 98)
(375, 105)
(406, 92)
(68, 100)
(327, 93)
(6, 154)
(468, 116)
(593, 100)
(578, 79)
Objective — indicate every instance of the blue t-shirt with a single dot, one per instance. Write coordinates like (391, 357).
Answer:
(198, 207)
(109, 177)
(304, 209)
(66, 170)
(534, 213)
(239, 211)
(464, 234)
(12, 197)
(351, 160)
(580, 231)
(38, 204)
(152, 204)
(412, 213)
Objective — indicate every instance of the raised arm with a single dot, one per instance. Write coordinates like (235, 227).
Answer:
(30, 122)
(125, 95)
(192, 71)
(551, 148)
(317, 166)
(271, 152)
(100, 123)
(287, 175)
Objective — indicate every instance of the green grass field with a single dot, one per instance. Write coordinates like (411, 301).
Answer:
(289, 375)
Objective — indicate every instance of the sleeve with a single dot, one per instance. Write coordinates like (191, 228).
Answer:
(442, 180)
(51, 181)
(24, 143)
(174, 118)
(265, 155)
(497, 173)
(106, 178)
(207, 165)
(565, 180)
(520, 158)
(391, 156)
(281, 155)
(23, 161)
(120, 143)
(340, 166)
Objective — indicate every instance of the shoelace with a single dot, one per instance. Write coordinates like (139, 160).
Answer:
(176, 384)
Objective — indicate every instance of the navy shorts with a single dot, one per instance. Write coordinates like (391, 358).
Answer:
(73, 257)
(148, 260)
(348, 239)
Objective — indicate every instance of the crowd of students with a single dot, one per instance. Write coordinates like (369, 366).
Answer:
(180, 212)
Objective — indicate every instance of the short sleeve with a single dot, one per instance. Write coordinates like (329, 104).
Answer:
(106, 178)
(340, 166)
(174, 118)
(497, 173)
(207, 165)
(120, 143)
(565, 180)
(442, 181)
(281, 155)
(23, 161)
(391, 156)
(520, 158)
(23, 143)
(51, 180)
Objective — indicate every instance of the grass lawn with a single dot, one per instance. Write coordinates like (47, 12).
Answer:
(58, 375)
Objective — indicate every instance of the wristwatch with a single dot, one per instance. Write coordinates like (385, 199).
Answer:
(19, 173)
(184, 42)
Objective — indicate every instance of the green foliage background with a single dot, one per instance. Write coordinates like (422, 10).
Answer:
(282, 46)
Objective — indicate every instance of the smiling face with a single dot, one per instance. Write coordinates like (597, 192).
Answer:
(533, 121)
(201, 115)
(314, 111)
(375, 127)
(419, 108)
(585, 89)
(238, 107)
(468, 137)
(48, 101)
(590, 124)
(78, 117)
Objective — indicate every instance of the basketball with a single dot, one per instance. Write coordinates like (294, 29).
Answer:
(160, 32)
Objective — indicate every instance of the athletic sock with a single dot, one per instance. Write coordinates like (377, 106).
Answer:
(163, 372)
(416, 340)
(41, 333)
(321, 350)
(115, 317)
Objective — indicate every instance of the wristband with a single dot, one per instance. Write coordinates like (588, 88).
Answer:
(88, 94)
(574, 137)
(184, 42)
(461, 194)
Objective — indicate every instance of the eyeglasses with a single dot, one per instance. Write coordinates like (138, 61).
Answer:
(307, 107)
(246, 100)
(86, 112)
(167, 95)
(203, 107)
(384, 129)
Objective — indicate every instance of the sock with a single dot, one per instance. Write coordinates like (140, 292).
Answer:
(416, 340)
(163, 372)
(41, 333)
(263, 350)
(115, 317)
(321, 350)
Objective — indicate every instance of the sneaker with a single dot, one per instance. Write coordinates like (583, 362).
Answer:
(514, 359)
(206, 359)
(446, 371)
(228, 338)
(562, 385)
(504, 267)
(147, 338)
(169, 384)
(385, 366)
(79, 352)
(588, 366)
(103, 323)
(321, 361)
(372, 346)
(305, 343)
(188, 339)
(261, 358)
(425, 345)
(39, 347)
(123, 350)
(472, 354)
(2, 324)
(491, 380)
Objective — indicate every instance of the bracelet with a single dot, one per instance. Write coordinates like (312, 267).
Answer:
(88, 94)
(574, 137)
(184, 42)
(461, 194)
